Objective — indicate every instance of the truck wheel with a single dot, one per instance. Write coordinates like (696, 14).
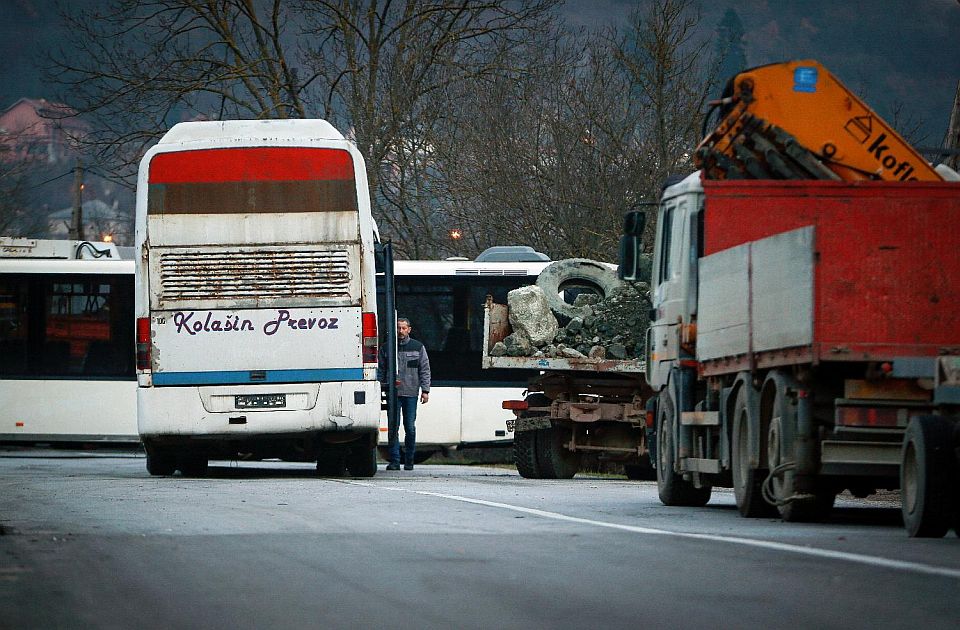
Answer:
(579, 272)
(555, 459)
(671, 487)
(525, 442)
(525, 454)
(362, 460)
(810, 509)
(161, 461)
(927, 472)
(747, 481)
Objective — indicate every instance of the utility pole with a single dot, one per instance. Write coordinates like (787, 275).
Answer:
(953, 133)
(76, 229)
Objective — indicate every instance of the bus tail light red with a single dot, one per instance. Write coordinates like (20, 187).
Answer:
(369, 337)
(143, 343)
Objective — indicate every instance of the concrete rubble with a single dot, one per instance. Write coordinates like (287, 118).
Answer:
(612, 328)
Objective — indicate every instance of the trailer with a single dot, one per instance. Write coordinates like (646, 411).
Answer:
(576, 410)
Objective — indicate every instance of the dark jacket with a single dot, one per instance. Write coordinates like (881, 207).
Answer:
(413, 368)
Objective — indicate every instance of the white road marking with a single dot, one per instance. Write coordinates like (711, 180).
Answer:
(875, 561)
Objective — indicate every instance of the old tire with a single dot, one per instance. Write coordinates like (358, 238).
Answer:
(575, 272)
(161, 461)
(747, 481)
(362, 460)
(671, 487)
(927, 472)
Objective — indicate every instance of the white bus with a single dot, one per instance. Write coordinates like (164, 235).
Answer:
(444, 302)
(66, 343)
(255, 298)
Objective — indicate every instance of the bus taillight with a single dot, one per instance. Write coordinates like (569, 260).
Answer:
(143, 343)
(369, 337)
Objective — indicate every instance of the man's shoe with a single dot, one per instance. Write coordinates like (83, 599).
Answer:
(407, 467)
(393, 466)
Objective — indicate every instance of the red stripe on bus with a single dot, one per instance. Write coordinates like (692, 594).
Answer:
(251, 164)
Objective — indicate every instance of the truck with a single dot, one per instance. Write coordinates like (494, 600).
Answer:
(805, 333)
(578, 410)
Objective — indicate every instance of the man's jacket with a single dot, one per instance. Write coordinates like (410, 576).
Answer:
(413, 368)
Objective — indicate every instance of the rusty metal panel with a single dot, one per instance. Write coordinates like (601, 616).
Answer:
(886, 389)
(254, 276)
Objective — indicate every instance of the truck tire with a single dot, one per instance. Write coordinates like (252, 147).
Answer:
(525, 442)
(555, 459)
(671, 487)
(575, 272)
(814, 508)
(928, 470)
(525, 454)
(747, 481)
(161, 461)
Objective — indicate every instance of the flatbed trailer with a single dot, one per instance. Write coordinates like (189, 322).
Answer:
(575, 409)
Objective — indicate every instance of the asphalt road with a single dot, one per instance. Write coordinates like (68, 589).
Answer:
(95, 542)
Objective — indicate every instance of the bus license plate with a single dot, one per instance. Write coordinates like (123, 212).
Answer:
(260, 401)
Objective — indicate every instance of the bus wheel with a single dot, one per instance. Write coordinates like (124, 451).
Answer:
(747, 481)
(193, 463)
(160, 460)
(362, 460)
(673, 488)
(331, 462)
(927, 472)
(555, 459)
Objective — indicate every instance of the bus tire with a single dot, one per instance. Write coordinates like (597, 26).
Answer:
(160, 461)
(672, 488)
(193, 463)
(580, 272)
(555, 459)
(927, 473)
(362, 460)
(331, 461)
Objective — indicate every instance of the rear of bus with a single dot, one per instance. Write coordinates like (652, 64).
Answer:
(255, 298)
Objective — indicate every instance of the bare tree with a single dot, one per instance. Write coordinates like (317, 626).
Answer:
(671, 78)
(366, 65)
(384, 68)
(139, 65)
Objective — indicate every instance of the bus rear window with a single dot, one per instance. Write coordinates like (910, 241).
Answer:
(252, 180)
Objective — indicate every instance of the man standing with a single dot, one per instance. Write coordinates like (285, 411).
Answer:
(413, 378)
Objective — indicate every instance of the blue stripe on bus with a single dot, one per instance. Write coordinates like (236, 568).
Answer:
(268, 376)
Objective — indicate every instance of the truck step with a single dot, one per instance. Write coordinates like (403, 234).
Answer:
(700, 418)
(695, 464)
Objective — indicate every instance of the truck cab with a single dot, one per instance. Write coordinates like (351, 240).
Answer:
(673, 282)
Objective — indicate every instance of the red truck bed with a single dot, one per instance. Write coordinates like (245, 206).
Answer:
(886, 260)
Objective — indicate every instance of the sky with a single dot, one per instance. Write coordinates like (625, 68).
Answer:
(886, 51)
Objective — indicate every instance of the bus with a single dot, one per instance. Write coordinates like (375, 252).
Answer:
(94, 401)
(444, 302)
(66, 343)
(255, 298)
